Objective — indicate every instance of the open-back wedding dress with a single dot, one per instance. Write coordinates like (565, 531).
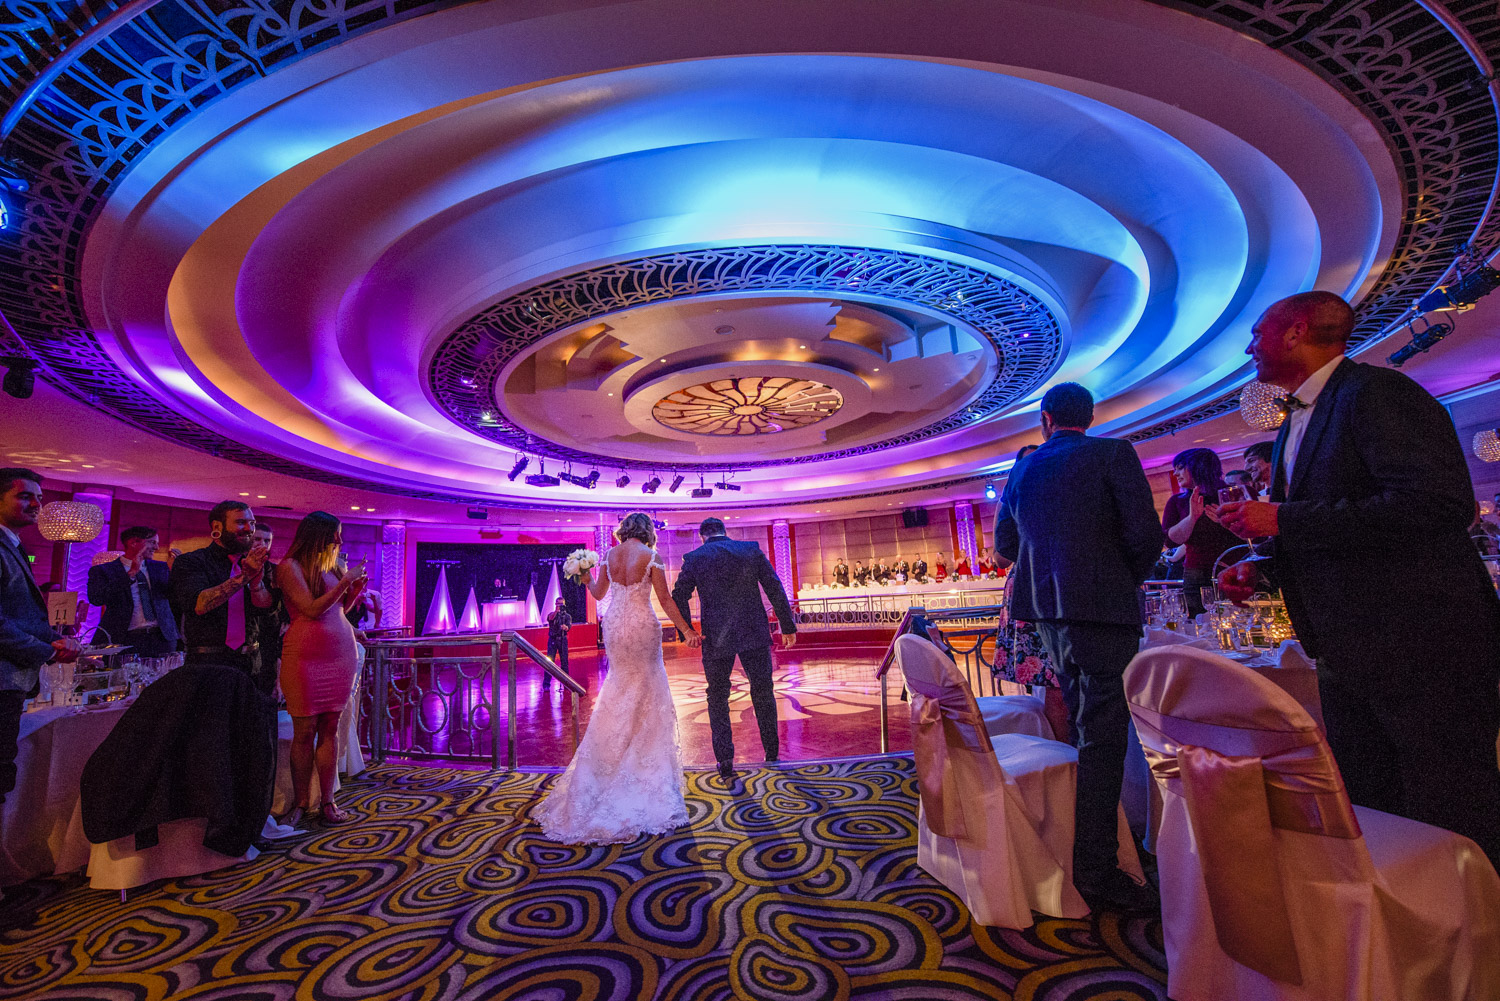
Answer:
(626, 778)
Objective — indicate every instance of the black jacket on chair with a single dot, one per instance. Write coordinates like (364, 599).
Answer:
(1374, 553)
(1077, 519)
(109, 589)
(198, 742)
(729, 577)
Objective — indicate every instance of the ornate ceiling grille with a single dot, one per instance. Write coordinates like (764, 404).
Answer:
(758, 405)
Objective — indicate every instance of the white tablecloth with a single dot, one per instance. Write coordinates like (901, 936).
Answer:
(41, 826)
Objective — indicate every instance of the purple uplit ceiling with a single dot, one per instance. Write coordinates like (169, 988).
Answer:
(400, 261)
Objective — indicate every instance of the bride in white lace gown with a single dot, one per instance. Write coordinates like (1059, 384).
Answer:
(626, 777)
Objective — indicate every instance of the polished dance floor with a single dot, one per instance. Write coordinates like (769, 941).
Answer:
(797, 882)
(827, 700)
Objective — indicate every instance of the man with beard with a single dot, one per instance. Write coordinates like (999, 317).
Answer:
(221, 590)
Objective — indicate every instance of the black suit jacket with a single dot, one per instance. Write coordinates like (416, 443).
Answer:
(1373, 556)
(1077, 519)
(729, 577)
(25, 634)
(109, 588)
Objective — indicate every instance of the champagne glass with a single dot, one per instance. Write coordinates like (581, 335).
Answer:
(1233, 494)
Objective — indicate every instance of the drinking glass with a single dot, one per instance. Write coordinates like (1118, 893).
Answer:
(1233, 494)
(1210, 597)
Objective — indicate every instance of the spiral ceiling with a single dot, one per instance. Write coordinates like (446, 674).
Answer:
(398, 246)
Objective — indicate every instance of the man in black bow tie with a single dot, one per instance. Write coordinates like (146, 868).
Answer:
(1368, 474)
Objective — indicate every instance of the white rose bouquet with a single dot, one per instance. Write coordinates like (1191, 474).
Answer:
(578, 564)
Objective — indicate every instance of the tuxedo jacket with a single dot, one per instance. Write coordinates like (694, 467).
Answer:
(729, 577)
(25, 634)
(1077, 519)
(1373, 556)
(109, 589)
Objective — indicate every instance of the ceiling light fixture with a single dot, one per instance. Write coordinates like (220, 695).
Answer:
(651, 485)
(623, 480)
(20, 376)
(541, 479)
(676, 483)
(989, 490)
(520, 467)
(701, 492)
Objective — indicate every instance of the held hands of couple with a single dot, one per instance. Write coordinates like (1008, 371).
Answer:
(1250, 519)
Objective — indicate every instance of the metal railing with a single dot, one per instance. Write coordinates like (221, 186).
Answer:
(884, 610)
(966, 632)
(420, 702)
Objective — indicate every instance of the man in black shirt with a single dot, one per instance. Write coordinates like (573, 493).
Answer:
(222, 594)
(558, 624)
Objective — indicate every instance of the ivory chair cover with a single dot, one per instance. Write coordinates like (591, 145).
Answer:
(1014, 714)
(1273, 885)
(995, 818)
(179, 851)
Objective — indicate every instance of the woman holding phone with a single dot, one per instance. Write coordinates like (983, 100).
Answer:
(318, 657)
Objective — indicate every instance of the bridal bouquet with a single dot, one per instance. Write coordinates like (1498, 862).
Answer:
(578, 564)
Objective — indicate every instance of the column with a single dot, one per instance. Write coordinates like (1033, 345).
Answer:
(393, 573)
(781, 554)
(604, 538)
(81, 556)
(963, 521)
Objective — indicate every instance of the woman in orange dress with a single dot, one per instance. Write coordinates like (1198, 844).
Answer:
(317, 656)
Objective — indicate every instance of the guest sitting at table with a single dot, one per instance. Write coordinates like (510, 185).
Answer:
(919, 569)
(218, 590)
(27, 639)
(939, 568)
(1191, 519)
(961, 567)
(861, 573)
(318, 659)
(133, 596)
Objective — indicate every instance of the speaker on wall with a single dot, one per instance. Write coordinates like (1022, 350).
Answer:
(914, 517)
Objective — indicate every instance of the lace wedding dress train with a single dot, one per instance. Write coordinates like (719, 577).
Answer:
(626, 778)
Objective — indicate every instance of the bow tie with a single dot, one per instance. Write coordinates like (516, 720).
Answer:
(1289, 404)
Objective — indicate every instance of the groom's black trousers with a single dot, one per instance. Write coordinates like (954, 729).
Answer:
(757, 665)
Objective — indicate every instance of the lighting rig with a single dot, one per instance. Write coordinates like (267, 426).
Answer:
(701, 492)
(541, 479)
(520, 467)
(1476, 279)
(651, 485)
(676, 483)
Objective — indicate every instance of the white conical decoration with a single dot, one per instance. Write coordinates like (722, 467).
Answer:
(469, 621)
(440, 612)
(533, 617)
(554, 591)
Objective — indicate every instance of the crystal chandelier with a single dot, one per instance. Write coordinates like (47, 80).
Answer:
(70, 521)
(1259, 408)
(1487, 445)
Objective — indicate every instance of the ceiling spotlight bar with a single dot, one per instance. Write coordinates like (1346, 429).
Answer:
(651, 485)
(702, 492)
(676, 483)
(623, 480)
(541, 479)
(520, 467)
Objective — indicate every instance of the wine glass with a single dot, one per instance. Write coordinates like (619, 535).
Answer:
(1233, 494)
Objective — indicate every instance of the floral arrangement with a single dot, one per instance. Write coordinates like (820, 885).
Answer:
(578, 564)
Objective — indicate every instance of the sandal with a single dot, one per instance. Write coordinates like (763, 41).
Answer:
(334, 814)
(292, 817)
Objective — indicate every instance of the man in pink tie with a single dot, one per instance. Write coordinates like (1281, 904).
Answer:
(217, 589)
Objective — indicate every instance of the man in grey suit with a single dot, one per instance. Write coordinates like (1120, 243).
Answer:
(729, 577)
(27, 639)
(1077, 519)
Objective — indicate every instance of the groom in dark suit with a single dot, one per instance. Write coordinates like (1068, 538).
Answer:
(1369, 510)
(729, 577)
(1077, 520)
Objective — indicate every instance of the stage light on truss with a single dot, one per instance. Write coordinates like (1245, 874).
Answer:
(989, 490)
(541, 479)
(520, 467)
(585, 482)
(702, 493)
(593, 478)
(726, 485)
(623, 480)
(676, 483)
(651, 485)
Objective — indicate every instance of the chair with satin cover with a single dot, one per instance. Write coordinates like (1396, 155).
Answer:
(1009, 713)
(995, 815)
(1273, 886)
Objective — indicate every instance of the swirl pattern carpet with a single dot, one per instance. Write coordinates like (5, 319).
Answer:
(800, 883)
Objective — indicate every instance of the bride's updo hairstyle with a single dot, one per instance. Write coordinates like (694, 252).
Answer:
(637, 525)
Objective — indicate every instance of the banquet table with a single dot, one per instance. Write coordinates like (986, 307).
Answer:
(41, 824)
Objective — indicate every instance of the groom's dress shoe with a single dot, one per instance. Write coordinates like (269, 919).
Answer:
(726, 770)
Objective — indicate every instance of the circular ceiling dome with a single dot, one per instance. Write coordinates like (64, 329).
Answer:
(406, 258)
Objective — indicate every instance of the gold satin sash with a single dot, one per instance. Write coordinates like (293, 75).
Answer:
(948, 733)
(1270, 780)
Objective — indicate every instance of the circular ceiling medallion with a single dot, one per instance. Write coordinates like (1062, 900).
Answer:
(759, 405)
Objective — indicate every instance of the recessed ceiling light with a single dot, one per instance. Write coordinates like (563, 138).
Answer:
(244, 493)
(875, 370)
(802, 346)
(369, 509)
(611, 394)
(354, 507)
(260, 496)
(87, 466)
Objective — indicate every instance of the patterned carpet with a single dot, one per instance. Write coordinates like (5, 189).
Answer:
(800, 883)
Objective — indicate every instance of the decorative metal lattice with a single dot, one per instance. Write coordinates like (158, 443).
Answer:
(124, 92)
(759, 405)
(466, 367)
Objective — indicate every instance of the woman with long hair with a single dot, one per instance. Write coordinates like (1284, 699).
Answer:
(1191, 519)
(318, 657)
